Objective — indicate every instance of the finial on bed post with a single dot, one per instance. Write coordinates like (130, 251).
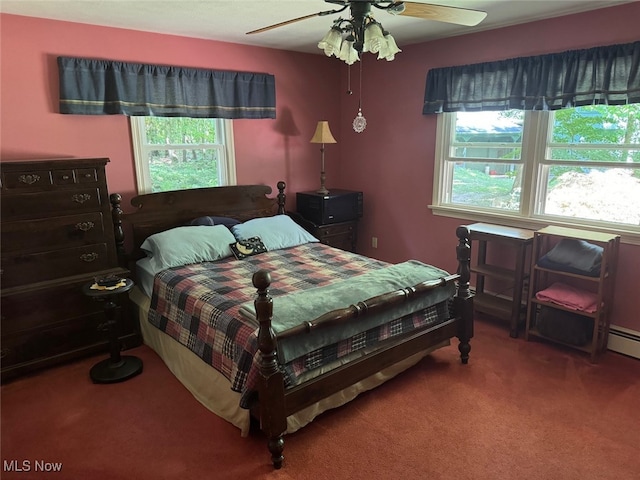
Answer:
(282, 197)
(116, 218)
(273, 420)
(463, 301)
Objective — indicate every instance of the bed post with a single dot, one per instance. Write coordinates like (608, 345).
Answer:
(282, 197)
(116, 217)
(273, 420)
(463, 301)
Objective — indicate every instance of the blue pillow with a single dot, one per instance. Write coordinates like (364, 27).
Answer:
(213, 220)
(185, 245)
(276, 232)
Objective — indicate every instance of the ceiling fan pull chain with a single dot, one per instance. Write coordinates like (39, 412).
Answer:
(360, 123)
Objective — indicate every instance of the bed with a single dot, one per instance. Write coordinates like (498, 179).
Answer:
(286, 327)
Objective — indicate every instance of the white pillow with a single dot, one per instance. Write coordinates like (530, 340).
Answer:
(276, 232)
(185, 245)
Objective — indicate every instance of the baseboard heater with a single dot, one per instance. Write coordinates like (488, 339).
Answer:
(624, 340)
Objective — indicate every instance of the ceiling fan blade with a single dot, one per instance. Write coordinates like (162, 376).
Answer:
(281, 24)
(440, 13)
(294, 20)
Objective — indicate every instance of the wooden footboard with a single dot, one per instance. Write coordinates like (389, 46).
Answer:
(275, 403)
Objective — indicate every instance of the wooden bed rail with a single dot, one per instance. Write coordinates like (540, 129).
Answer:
(370, 306)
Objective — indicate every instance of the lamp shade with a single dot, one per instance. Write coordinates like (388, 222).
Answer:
(323, 133)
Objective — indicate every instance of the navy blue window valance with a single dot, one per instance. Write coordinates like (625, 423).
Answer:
(105, 87)
(607, 75)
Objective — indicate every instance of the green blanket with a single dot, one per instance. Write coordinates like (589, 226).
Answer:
(295, 308)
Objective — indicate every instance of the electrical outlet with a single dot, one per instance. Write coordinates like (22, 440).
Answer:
(374, 242)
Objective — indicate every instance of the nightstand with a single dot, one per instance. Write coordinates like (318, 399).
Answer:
(331, 217)
(117, 367)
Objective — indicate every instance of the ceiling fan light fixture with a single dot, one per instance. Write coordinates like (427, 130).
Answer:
(349, 37)
(390, 50)
(361, 27)
(348, 54)
(332, 41)
(373, 38)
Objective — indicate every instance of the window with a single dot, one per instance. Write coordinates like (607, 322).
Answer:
(578, 166)
(177, 153)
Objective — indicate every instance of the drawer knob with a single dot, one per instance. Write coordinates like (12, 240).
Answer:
(89, 257)
(88, 175)
(84, 226)
(81, 197)
(29, 179)
(66, 177)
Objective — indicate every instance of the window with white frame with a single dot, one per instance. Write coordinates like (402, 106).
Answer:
(177, 153)
(575, 165)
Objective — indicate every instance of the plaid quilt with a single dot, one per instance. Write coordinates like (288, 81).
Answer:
(198, 305)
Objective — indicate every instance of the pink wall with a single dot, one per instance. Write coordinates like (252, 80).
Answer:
(391, 161)
(267, 150)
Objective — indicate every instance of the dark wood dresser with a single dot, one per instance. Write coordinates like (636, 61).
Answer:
(56, 236)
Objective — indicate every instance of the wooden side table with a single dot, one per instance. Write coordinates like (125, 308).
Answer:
(117, 367)
(519, 239)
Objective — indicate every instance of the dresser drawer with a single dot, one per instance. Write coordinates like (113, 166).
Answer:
(44, 308)
(48, 342)
(79, 175)
(337, 229)
(28, 179)
(37, 267)
(343, 242)
(53, 232)
(338, 235)
(41, 204)
(45, 179)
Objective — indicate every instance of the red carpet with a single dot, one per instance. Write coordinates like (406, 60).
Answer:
(519, 410)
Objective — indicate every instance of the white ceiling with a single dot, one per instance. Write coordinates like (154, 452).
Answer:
(229, 20)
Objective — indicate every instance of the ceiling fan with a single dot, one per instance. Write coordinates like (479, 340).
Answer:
(360, 32)
(427, 11)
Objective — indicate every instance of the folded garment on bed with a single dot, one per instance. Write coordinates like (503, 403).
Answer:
(293, 309)
(569, 297)
(573, 255)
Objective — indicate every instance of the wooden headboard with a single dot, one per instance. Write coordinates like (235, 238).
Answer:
(156, 212)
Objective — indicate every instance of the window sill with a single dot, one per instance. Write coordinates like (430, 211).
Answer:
(626, 236)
